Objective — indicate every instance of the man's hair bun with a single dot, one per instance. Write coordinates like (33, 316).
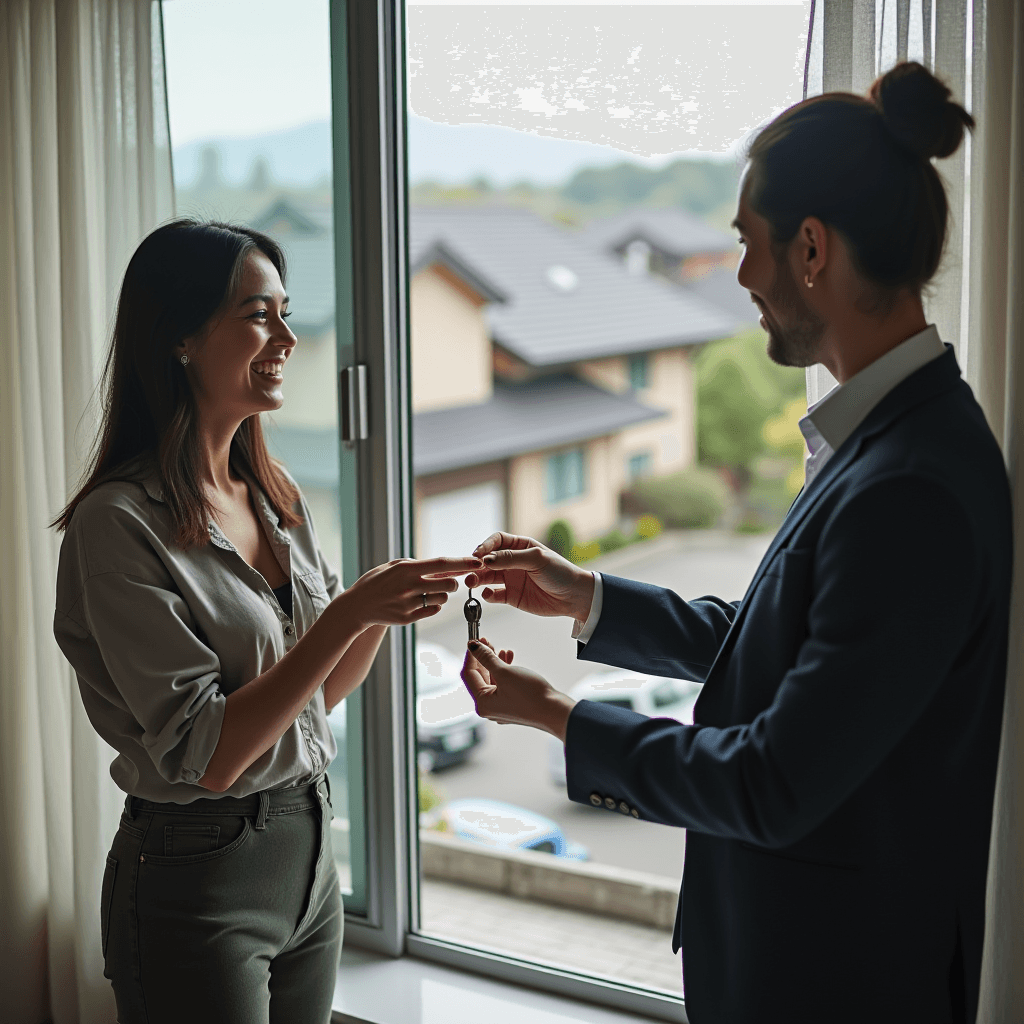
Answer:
(918, 112)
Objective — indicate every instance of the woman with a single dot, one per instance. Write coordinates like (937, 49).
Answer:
(211, 639)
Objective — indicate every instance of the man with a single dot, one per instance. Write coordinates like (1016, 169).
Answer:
(837, 781)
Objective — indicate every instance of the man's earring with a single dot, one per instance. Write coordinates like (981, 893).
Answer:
(808, 281)
(184, 359)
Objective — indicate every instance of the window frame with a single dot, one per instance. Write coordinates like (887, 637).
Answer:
(554, 474)
(373, 330)
(638, 369)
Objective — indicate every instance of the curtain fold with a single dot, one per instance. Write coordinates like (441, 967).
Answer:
(996, 371)
(84, 175)
(977, 301)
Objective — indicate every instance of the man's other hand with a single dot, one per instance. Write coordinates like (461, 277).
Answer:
(523, 573)
(515, 696)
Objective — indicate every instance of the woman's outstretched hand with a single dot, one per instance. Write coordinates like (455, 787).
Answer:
(523, 573)
(510, 695)
(406, 590)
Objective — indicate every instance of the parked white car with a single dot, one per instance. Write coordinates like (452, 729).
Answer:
(447, 725)
(653, 696)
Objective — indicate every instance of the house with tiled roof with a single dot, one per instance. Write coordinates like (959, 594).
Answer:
(679, 247)
(545, 375)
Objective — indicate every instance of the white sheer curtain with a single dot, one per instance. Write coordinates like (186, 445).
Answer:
(977, 301)
(84, 173)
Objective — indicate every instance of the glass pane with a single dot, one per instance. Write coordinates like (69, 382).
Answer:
(261, 156)
(587, 371)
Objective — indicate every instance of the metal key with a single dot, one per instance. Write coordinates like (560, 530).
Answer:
(472, 609)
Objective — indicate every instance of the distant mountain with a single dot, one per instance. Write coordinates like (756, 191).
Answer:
(442, 153)
(295, 156)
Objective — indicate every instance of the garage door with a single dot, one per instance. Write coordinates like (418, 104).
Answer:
(453, 523)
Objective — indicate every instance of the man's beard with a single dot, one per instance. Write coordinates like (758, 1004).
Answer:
(797, 343)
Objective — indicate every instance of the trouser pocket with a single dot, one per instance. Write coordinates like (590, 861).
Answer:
(106, 898)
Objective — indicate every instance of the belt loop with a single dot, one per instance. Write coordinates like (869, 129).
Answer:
(327, 779)
(128, 808)
(261, 818)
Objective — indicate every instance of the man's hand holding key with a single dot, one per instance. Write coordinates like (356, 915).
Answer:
(527, 575)
(523, 573)
(516, 696)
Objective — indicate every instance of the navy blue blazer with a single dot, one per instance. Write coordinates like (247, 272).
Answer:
(837, 783)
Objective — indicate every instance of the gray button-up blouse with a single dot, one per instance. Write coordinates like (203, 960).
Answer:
(160, 636)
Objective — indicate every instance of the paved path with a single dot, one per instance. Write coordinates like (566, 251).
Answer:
(566, 938)
(512, 763)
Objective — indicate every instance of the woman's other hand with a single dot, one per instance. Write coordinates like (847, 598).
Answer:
(524, 573)
(405, 590)
(510, 695)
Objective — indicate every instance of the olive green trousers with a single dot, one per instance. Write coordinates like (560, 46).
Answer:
(224, 911)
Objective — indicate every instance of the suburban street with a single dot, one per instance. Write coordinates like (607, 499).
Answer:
(512, 762)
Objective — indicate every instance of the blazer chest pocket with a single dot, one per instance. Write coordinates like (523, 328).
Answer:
(786, 587)
(774, 628)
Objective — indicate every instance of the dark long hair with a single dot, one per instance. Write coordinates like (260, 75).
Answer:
(863, 166)
(180, 276)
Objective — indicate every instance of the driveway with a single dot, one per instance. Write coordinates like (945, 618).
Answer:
(511, 764)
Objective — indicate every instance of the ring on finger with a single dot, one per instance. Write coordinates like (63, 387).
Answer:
(424, 600)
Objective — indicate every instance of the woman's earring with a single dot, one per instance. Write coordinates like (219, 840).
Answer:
(184, 359)
(807, 281)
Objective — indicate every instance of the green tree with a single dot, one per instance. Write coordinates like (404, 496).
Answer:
(738, 389)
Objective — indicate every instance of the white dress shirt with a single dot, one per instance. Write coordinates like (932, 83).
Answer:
(830, 422)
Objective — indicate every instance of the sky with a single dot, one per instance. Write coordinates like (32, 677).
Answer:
(507, 91)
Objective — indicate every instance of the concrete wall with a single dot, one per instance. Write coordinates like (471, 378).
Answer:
(593, 513)
(451, 349)
(597, 888)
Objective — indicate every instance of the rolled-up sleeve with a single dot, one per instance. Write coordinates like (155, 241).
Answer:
(167, 677)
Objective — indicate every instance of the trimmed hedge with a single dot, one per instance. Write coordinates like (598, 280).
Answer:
(693, 498)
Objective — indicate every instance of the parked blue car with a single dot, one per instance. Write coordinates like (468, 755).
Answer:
(505, 826)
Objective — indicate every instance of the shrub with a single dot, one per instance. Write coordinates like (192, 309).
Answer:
(560, 537)
(690, 499)
(429, 795)
(613, 541)
(648, 526)
(584, 552)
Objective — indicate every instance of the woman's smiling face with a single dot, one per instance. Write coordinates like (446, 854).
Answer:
(236, 368)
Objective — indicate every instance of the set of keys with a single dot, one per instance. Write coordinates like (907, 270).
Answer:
(472, 609)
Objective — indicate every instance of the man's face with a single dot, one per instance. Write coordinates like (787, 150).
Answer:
(794, 329)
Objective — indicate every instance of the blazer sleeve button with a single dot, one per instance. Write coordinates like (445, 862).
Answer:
(624, 807)
(635, 813)
(595, 799)
(609, 802)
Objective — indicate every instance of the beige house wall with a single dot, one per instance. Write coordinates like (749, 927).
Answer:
(310, 391)
(611, 374)
(451, 349)
(592, 514)
(670, 440)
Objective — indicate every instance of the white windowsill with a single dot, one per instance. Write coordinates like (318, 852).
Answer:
(375, 989)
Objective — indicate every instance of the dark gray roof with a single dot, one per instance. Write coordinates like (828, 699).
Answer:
(607, 312)
(305, 234)
(310, 281)
(439, 252)
(721, 288)
(674, 232)
(521, 418)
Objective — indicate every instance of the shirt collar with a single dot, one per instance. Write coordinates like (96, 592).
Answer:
(845, 407)
(154, 488)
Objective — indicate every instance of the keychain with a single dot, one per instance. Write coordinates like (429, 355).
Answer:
(472, 609)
